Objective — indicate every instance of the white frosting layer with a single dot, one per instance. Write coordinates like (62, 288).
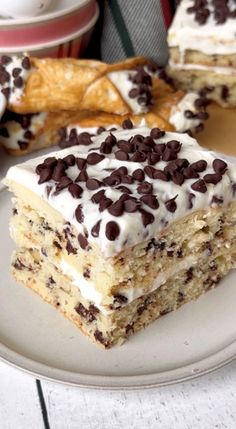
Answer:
(177, 116)
(229, 71)
(132, 230)
(16, 93)
(89, 292)
(16, 132)
(210, 38)
(123, 83)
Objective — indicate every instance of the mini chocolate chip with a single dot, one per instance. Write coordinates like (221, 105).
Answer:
(127, 124)
(45, 175)
(23, 145)
(131, 205)
(199, 166)
(171, 205)
(96, 229)
(156, 133)
(58, 172)
(199, 186)
(153, 158)
(117, 208)
(94, 158)
(112, 180)
(70, 249)
(75, 190)
(81, 162)
(219, 166)
(84, 138)
(100, 130)
(69, 160)
(190, 200)
(174, 145)
(124, 189)
(96, 198)
(169, 155)
(111, 139)
(161, 175)
(150, 200)
(124, 145)
(138, 157)
(85, 313)
(121, 155)
(104, 203)
(127, 179)
(149, 171)
(203, 115)
(82, 177)
(134, 92)
(6, 59)
(145, 188)
(6, 92)
(26, 63)
(190, 173)
(148, 141)
(83, 242)
(4, 77)
(147, 217)
(112, 230)
(79, 214)
(106, 147)
(93, 184)
(18, 82)
(212, 178)
(28, 135)
(64, 183)
(16, 71)
(138, 175)
(177, 177)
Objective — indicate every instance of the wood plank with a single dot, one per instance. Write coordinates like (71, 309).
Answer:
(207, 402)
(19, 403)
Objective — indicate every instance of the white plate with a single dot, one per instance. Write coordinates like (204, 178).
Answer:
(194, 340)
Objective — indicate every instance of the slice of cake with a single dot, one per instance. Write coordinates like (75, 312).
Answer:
(202, 46)
(124, 229)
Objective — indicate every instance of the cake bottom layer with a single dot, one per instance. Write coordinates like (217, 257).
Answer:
(113, 327)
(222, 86)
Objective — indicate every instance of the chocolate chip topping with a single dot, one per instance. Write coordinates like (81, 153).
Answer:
(94, 158)
(79, 214)
(26, 63)
(199, 186)
(171, 205)
(112, 230)
(75, 190)
(96, 229)
(127, 124)
(219, 166)
(83, 242)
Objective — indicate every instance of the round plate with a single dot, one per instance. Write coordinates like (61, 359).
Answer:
(199, 337)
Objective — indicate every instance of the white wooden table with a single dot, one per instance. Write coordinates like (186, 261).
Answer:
(205, 403)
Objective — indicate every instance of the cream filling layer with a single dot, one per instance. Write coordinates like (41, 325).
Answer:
(123, 83)
(229, 71)
(89, 292)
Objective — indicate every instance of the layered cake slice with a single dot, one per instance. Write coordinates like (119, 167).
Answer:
(123, 229)
(202, 47)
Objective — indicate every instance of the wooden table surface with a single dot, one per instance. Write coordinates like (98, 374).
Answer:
(205, 403)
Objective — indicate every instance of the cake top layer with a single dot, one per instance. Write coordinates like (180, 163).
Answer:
(207, 26)
(124, 187)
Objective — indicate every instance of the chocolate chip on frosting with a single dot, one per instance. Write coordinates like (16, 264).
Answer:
(121, 155)
(212, 178)
(147, 217)
(150, 200)
(171, 205)
(138, 175)
(112, 230)
(93, 184)
(199, 166)
(117, 208)
(145, 188)
(94, 158)
(127, 124)
(79, 214)
(156, 133)
(83, 138)
(199, 186)
(219, 166)
(75, 190)
(83, 242)
(96, 229)
(96, 198)
(26, 63)
(131, 205)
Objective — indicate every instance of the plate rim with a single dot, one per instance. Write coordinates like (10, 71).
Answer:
(106, 382)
